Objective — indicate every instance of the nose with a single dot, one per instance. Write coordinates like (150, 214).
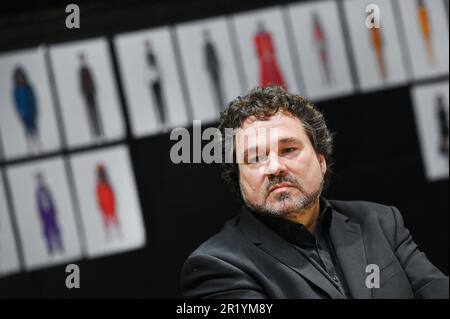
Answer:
(275, 166)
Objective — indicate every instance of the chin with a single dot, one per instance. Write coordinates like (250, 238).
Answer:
(286, 207)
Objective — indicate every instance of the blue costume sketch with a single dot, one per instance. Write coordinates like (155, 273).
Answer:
(26, 107)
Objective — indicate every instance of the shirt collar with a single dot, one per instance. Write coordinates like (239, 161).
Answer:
(297, 233)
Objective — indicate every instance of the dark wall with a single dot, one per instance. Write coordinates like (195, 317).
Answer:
(377, 158)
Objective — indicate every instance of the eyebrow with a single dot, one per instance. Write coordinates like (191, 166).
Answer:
(289, 140)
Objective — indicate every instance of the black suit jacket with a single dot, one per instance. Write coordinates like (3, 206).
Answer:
(246, 259)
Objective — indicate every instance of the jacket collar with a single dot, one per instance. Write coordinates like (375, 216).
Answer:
(347, 240)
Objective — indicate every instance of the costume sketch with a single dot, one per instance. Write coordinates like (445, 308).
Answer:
(321, 45)
(269, 71)
(89, 92)
(376, 40)
(26, 108)
(154, 80)
(425, 28)
(48, 216)
(106, 200)
(442, 118)
(213, 67)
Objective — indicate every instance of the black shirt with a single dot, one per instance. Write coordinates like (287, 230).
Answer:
(318, 248)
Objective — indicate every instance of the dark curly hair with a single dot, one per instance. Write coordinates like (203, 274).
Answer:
(264, 102)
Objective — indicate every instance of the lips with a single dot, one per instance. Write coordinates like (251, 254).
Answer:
(280, 185)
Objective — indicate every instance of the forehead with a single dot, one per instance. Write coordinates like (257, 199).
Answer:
(279, 126)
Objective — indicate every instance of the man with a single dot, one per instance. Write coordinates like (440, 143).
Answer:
(289, 242)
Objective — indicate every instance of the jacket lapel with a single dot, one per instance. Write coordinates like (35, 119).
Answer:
(284, 252)
(348, 243)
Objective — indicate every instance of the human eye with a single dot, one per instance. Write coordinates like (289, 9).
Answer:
(257, 159)
(289, 152)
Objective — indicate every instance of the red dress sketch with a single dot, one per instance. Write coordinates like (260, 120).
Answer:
(321, 44)
(269, 71)
(106, 200)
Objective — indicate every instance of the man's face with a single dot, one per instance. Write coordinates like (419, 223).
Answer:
(279, 170)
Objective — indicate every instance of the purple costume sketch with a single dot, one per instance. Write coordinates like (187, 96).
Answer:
(47, 214)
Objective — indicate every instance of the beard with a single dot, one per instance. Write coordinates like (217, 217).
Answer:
(285, 203)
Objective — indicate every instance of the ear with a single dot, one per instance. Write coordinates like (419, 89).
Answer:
(323, 164)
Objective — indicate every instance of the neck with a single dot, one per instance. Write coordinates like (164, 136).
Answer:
(307, 216)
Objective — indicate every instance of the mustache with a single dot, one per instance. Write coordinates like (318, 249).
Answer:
(274, 180)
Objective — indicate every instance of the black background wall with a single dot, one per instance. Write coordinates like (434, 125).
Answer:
(377, 158)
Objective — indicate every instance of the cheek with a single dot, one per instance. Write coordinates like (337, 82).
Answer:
(250, 179)
(306, 169)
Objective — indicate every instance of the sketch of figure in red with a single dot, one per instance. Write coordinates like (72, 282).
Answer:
(425, 28)
(320, 43)
(269, 71)
(106, 201)
(442, 117)
(376, 41)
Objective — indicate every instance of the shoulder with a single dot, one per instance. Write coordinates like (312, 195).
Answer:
(378, 218)
(225, 255)
(366, 211)
(228, 239)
